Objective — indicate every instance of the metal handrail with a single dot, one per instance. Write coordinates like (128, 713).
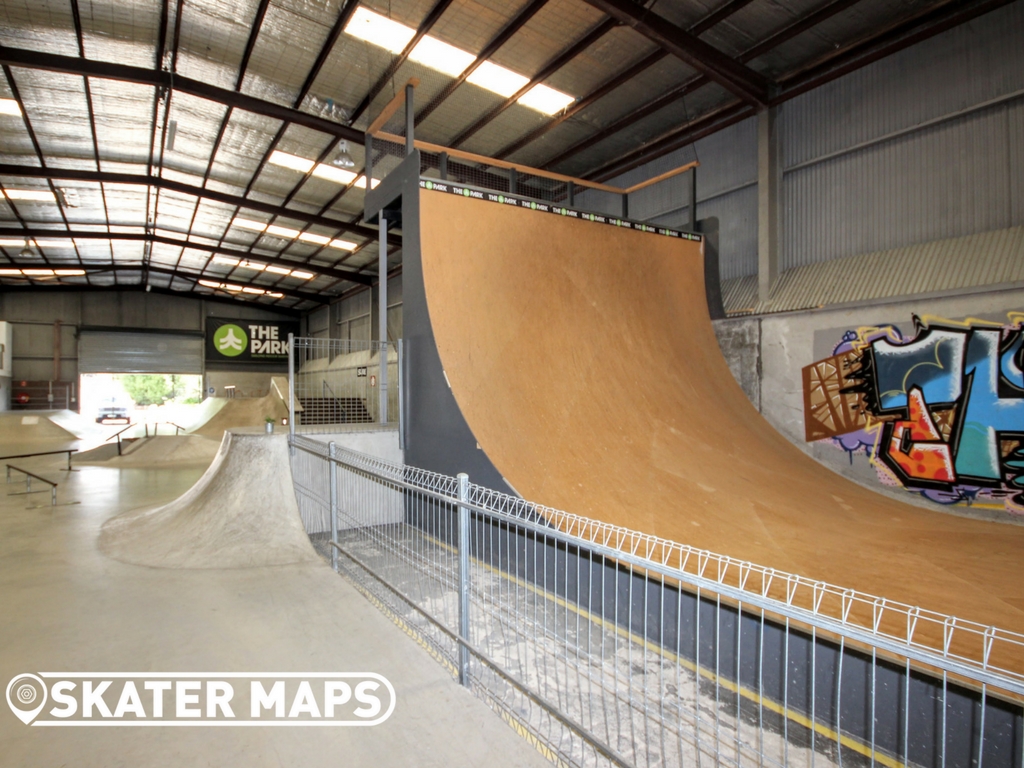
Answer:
(707, 571)
(68, 451)
(28, 483)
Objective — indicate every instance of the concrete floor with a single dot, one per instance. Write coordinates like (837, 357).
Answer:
(66, 607)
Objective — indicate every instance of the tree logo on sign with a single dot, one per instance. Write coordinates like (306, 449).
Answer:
(230, 340)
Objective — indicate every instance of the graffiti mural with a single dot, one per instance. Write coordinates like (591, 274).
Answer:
(940, 412)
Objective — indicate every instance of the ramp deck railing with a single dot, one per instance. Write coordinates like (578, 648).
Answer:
(606, 646)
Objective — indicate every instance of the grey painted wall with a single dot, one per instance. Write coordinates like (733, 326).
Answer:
(849, 189)
(767, 355)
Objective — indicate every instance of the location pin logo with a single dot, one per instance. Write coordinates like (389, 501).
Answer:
(26, 696)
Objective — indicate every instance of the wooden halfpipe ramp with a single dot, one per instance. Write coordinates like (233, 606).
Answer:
(583, 360)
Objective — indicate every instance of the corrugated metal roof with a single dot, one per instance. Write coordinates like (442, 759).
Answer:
(974, 261)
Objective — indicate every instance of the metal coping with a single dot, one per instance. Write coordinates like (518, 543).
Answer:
(490, 196)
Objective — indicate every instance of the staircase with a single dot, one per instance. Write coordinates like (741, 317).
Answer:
(333, 410)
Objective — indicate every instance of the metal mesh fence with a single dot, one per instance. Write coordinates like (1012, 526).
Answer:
(608, 647)
(338, 383)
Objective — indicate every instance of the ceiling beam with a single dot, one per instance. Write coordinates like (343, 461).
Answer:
(231, 299)
(748, 85)
(935, 19)
(72, 65)
(694, 130)
(68, 174)
(148, 237)
(771, 42)
(621, 79)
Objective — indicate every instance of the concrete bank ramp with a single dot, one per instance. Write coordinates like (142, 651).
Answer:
(157, 451)
(243, 412)
(241, 513)
(30, 427)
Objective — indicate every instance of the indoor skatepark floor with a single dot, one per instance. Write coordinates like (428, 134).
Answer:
(67, 607)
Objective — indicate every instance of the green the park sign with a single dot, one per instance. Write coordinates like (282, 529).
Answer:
(248, 341)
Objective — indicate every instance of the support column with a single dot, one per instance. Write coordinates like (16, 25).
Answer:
(769, 191)
(382, 300)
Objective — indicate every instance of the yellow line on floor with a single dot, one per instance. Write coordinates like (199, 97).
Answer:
(779, 709)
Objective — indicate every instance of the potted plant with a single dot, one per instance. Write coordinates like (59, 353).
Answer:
(270, 425)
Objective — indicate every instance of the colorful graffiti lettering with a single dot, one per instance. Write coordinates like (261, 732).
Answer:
(941, 413)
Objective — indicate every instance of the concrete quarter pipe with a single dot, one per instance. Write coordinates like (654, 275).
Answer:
(583, 360)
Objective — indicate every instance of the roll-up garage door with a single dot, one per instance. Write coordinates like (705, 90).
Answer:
(132, 352)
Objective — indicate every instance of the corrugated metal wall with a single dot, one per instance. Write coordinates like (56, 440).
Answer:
(953, 177)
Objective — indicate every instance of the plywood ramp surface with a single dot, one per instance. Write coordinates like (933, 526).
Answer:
(583, 358)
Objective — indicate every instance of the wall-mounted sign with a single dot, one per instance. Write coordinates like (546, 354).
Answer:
(248, 341)
(361, 371)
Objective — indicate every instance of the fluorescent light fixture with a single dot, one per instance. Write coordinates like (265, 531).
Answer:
(345, 245)
(258, 291)
(275, 295)
(333, 173)
(285, 160)
(40, 272)
(69, 272)
(291, 234)
(29, 194)
(6, 272)
(379, 30)
(433, 53)
(254, 265)
(256, 226)
(310, 237)
(279, 270)
(501, 81)
(226, 260)
(230, 287)
(209, 284)
(12, 242)
(546, 100)
(303, 275)
(9, 107)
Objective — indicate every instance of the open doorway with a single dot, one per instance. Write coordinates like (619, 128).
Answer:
(132, 398)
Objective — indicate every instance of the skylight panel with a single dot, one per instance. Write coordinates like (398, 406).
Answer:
(291, 234)
(546, 100)
(310, 237)
(433, 53)
(9, 107)
(379, 30)
(345, 245)
(256, 226)
(30, 194)
(285, 160)
(12, 242)
(333, 173)
(499, 80)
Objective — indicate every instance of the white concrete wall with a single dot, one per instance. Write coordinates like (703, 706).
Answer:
(767, 354)
(376, 504)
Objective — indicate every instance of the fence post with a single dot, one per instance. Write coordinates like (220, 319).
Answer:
(401, 396)
(332, 467)
(463, 579)
(382, 321)
(291, 388)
